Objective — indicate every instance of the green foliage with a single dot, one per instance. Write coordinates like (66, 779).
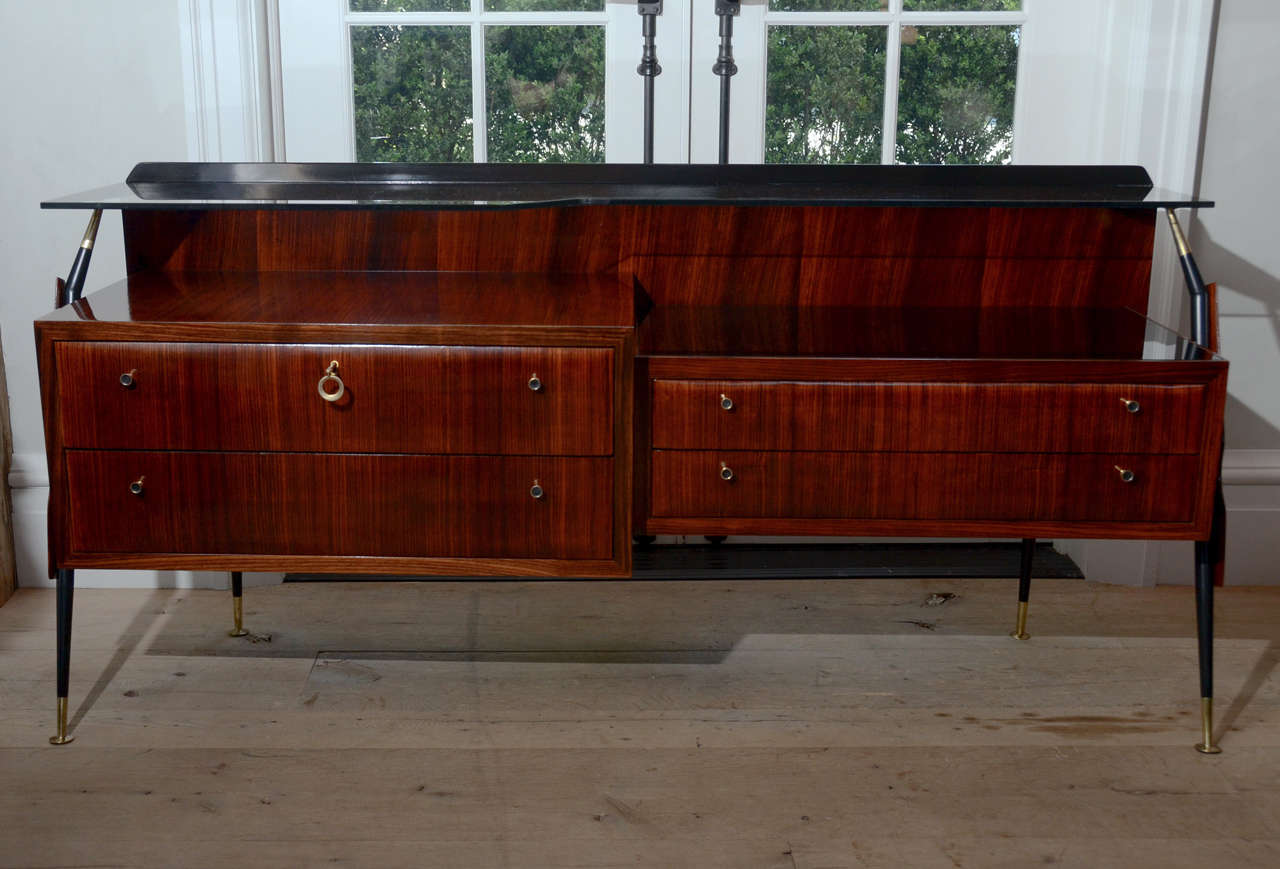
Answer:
(410, 5)
(961, 5)
(545, 92)
(544, 88)
(543, 5)
(412, 93)
(825, 95)
(955, 102)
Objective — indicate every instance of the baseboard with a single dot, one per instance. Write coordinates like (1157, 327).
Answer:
(1251, 480)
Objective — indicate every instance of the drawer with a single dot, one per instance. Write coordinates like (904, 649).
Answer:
(340, 505)
(927, 417)
(995, 486)
(397, 399)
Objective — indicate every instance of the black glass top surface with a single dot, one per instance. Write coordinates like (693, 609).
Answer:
(496, 185)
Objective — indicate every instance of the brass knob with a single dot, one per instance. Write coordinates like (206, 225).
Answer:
(1126, 475)
(535, 491)
(726, 472)
(331, 376)
(129, 379)
(135, 487)
(726, 403)
(1131, 405)
(535, 383)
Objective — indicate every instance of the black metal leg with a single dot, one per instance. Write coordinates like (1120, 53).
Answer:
(1204, 632)
(1024, 588)
(649, 67)
(237, 605)
(725, 68)
(66, 592)
(643, 539)
(715, 539)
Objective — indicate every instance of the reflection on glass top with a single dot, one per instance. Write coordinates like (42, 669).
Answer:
(507, 185)
(912, 333)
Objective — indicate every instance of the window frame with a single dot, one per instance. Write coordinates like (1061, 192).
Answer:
(315, 54)
(750, 87)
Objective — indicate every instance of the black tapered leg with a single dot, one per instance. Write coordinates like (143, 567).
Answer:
(1204, 632)
(237, 605)
(66, 592)
(1024, 588)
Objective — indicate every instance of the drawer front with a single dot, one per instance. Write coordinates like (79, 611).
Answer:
(991, 486)
(927, 417)
(397, 399)
(342, 505)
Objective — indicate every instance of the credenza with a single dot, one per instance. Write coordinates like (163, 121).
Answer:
(529, 370)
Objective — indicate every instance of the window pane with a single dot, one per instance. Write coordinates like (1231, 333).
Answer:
(410, 5)
(828, 5)
(545, 92)
(955, 99)
(544, 5)
(412, 93)
(961, 5)
(825, 94)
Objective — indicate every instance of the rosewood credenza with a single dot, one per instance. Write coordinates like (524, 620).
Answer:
(528, 370)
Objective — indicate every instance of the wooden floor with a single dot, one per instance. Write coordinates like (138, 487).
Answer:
(667, 724)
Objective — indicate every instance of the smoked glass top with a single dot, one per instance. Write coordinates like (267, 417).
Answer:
(506, 185)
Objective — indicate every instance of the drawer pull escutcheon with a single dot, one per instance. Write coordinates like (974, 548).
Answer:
(535, 384)
(135, 488)
(535, 491)
(1126, 475)
(726, 403)
(129, 379)
(331, 375)
(726, 472)
(1131, 405)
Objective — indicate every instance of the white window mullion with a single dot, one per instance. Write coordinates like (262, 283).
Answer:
(479, 110)
(892, 66)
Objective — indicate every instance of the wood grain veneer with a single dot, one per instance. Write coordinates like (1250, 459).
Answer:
(990, 256)
(955, 417)
(348, 505)
(432, 399)
(923, 486)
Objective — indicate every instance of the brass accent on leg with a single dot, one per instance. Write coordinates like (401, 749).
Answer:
(1020, 632)
(237, 611)
(61, 737)
(1206, 728)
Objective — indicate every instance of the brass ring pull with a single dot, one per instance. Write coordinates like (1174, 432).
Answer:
(135, 488)
(129, 379)
(726, 403)
(535, 383)
(535, 491)
(726, 472)
(1131, 405)
(331, 376)
(1126, 475)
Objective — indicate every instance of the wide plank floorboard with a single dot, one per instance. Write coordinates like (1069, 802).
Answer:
(867, 723)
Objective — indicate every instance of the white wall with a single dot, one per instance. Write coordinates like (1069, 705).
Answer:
(90, 88)
(1236, 245)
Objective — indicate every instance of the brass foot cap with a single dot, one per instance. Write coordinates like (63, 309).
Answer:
(1020, 635)
(237, 632)
(1207, 749)
(61, 740)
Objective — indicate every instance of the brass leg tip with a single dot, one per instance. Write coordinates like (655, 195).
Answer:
(61, 737)
(1020, 629)
(237, 632)
(1207, 749)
